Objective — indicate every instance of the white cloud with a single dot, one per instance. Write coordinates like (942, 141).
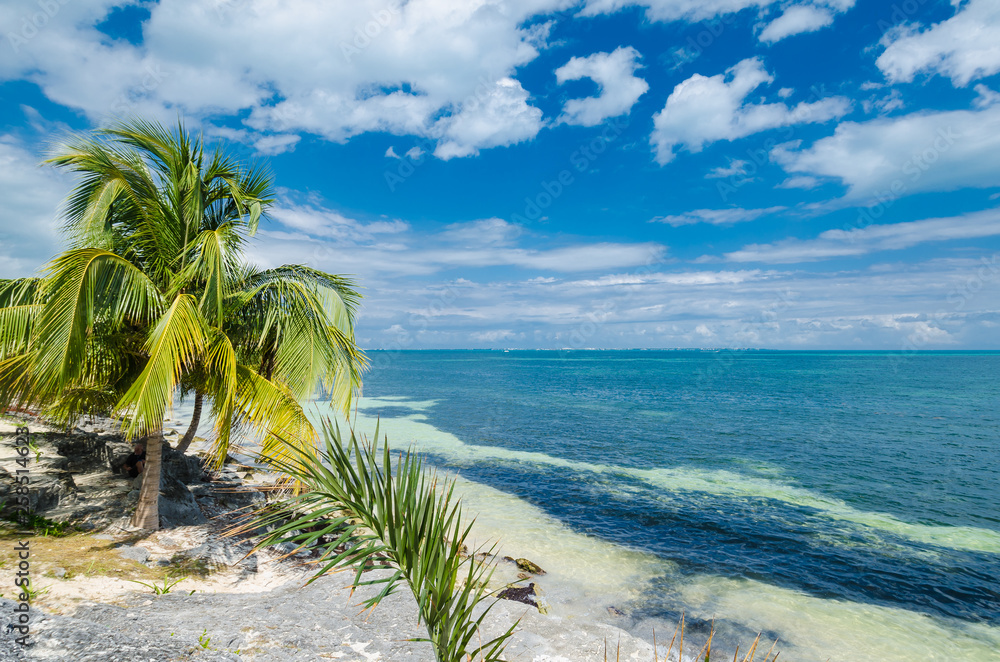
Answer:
(716, 216)
(391, 153)
(437, 69)
(485, 232)
(735, 167)
(885, 104)
(276, 144)
(964, 48)
(614, 74)
(892, 157)
(703, 110)
(493, 336)
(501, 117)
(31, 197)
(985, 97)
(682, 278)
(319, 222)
(386, 249)
(674, 10)
(803, 182)
(892, 306)
(797, 19)
(871, 239)
(703, 331)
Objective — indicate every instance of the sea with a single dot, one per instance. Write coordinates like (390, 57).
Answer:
(844, 504)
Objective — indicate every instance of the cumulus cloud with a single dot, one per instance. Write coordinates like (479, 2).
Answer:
(615, 76)
(963, 48)
(276, 144)
(871, 239)
(894, 157)
(501, 117)
(797, 19)
(703, 110)
(716, 216)
(436, 69)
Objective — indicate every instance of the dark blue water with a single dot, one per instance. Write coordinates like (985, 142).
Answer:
(914, 437)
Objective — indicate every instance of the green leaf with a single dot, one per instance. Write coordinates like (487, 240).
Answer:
(255, 212)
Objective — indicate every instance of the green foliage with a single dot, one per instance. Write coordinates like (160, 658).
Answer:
(163, 589)
(33, 593)
(361, 511)
(204, 639)
(153, 296)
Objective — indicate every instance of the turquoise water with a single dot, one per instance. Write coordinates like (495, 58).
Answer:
(844, 502)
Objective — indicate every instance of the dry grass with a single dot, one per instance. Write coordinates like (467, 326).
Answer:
(79, 554)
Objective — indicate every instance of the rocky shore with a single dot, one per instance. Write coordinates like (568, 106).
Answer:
(97, 586)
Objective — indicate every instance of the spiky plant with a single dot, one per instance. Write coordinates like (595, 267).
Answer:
(359, 510)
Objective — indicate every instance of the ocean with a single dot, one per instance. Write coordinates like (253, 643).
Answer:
(844, 503)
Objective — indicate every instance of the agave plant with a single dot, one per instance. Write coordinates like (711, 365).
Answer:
(358, 510)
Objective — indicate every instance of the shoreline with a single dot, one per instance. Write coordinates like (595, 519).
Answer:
(76, 602)
(653, 591)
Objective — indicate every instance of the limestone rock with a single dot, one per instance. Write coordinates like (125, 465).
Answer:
(529, 566)
(140, 554)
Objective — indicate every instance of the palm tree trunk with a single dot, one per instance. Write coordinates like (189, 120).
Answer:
(195, 419)
(147, 511)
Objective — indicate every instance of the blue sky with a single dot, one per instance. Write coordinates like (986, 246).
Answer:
(551, 173)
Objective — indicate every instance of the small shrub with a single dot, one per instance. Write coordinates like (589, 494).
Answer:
(157, 589)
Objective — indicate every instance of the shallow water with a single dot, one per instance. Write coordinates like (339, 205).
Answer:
(843, 502)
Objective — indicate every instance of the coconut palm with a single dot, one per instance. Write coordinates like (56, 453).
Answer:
(153, 295)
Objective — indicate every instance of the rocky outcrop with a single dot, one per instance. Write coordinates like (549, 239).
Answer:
(77, 477)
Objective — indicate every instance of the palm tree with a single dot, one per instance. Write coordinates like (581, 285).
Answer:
(153, 295)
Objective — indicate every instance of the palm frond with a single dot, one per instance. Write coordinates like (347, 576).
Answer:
(176, 340)
(303, 320)
(79, 284)
(360, 511)
(20, 304)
